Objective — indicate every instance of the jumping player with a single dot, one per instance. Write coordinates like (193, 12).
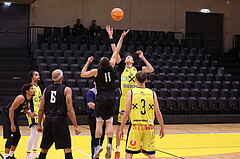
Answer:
(127, 72)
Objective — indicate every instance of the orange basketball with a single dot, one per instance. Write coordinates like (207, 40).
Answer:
(117, 14)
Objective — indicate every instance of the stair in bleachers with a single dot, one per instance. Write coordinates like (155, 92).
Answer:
(14, 67)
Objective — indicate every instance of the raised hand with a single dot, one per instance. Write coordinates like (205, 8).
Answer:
(109, 31)
(140, 54)
(90, 59)
(124, 33)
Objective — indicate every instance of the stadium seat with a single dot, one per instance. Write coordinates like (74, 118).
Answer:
(71, 83)
(178, 84)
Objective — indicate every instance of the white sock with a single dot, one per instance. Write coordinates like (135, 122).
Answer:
(36, 141)
(5, 156)
(118, 148)
(28, 153)
(33, 134)
(11, 153)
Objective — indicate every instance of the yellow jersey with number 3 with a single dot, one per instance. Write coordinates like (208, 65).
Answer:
(142, 108)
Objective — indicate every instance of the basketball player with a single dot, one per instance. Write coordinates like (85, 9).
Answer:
(141, 105)
(127, 72)
(56, 104)
(34, 107)
(9, 119)
(105, 101)
(91, 102)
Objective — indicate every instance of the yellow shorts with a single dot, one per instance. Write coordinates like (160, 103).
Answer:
(141, 134)
(122, 107)
(32, 121)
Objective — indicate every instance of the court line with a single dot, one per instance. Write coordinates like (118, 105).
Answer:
(203, 147)
(81, 152)
(170, 154)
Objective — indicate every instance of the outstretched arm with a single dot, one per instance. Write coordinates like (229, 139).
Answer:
(92, 72)
(110, 35)
(148, 68)
(116, 49)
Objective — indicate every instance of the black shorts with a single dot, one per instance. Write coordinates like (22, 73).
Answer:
(56, 131)
(105, 104)
(7, 126)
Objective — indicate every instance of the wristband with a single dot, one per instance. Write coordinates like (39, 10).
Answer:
(112, 41)
(29, 111)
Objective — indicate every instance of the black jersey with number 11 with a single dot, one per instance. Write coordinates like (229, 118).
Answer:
(105, 80)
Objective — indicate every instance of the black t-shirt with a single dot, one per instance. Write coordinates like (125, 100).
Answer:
(55, 101)
(105, 80)
(20, 108)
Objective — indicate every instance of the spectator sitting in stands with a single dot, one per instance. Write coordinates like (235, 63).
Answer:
(79, 28)
(94, 28)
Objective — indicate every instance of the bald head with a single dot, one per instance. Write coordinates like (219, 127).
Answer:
(57, 75)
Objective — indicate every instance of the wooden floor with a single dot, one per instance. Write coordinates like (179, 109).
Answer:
(185, 131)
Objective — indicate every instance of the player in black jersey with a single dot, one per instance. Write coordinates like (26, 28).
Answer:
(105, 100)
(9, 119)
(56, 104)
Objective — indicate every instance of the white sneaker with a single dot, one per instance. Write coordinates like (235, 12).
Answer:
(97, 151)
(109, 151)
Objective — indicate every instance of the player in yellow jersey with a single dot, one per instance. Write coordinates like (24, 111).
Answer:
(127, 72)
(141, 106)
(33, 141)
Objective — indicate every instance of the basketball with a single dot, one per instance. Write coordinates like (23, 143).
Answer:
(117, 14)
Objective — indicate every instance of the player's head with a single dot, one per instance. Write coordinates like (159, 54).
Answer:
(104, 62)
(141, 77)
(78, 21)
(34, 76)
(129, 59)
(28, 89)
(57, 75)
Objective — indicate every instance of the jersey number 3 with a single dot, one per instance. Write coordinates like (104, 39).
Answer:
(107, 77)
(53, 97)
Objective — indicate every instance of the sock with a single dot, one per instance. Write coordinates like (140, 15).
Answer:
(28, 153)
(5, 156)
(68, 156)
(42, 156)
(11, 153)
(110, 140)
(118, 148)
(97, 142)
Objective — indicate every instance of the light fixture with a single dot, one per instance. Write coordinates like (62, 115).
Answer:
(205, 11)
(7, 4)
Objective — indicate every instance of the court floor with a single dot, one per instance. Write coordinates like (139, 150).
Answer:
(183, 141)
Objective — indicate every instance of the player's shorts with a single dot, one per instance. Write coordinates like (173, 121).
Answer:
(105, 104)
(56, 131)
(32, 121)
(122, 107)
(138, 134)
(7, 126)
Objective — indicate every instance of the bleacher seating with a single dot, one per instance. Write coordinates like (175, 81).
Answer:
(186, 80)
